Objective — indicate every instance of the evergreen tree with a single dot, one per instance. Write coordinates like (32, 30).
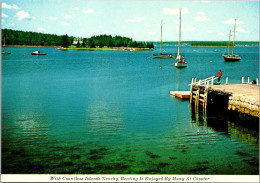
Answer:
(65, 41)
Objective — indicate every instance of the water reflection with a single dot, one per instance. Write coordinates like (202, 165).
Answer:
(223, 124)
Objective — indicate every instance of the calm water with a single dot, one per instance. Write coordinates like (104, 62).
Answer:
(88, 112)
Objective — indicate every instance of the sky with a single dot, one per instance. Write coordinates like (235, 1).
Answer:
(136, 19)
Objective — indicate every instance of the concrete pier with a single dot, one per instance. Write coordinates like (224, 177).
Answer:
(243, 98)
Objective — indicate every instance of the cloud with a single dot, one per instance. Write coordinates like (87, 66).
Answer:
(147, 25)
(221, 34)
(152, 33)
(41, 29)
(201, 13)
(169, 11)
(136, 19)
(232, 21)
(10, 24)
(53, 18)
(76, 9)
(4, 5)
(189, 28)
(88, 11)
(67, 16)
(205, 1)
(4, 15)
(153, 19)
(23, 15)
(209, 31)
(64, 23)
(201, 19)
(239, 29)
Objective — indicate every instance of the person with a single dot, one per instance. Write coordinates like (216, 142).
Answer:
(219, 75)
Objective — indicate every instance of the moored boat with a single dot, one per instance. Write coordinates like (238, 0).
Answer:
(232, 57)
(162, 55)
(180, 61)
(4, 51)
(37, 53)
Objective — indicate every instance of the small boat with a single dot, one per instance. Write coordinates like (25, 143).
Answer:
(5, 52)
(216, 50)
(37, 53)
(180, 61)
(162, 55)
(232, 57)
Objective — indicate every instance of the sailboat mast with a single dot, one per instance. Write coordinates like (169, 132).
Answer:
(161, 39)
(179, 49)
(229, 41)
(234, 38)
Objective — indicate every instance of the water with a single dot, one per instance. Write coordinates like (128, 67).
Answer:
(110, 112)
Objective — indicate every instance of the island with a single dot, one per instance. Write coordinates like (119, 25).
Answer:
(65, 42)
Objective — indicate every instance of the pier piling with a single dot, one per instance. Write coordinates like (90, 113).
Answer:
(243, 98)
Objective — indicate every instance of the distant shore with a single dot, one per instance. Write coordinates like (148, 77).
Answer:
(109, 48)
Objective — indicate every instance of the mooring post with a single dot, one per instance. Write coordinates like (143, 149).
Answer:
(226, 80)
(191, 94)
(248, 80)
(205, 105)
(242, 79)
(197, 98)
(191, 90)
(256, 81)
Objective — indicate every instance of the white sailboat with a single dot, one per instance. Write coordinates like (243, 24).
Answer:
(180, 62)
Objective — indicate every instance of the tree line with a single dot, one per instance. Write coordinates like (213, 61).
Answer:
(16, 37)
(209, 43)
(110, 41)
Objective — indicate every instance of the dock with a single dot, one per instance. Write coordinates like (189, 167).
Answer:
(180, 94)
(242, 98)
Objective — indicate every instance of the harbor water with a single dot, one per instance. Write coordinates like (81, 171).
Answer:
(110, 112)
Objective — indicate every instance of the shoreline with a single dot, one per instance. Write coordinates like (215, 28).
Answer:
(110, 48)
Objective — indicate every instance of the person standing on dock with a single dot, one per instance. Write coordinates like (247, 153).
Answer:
(219, 76)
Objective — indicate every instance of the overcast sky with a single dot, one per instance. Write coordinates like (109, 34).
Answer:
(137, 19)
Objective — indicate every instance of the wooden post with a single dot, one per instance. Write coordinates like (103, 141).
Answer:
(212, 81)
(242, 80)
(205, 100)
(256, 81)
(197, 101)
(191, 94)
(226, 80)
(248, 80)
(195, 79)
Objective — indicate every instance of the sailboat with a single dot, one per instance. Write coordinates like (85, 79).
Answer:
(180, 62)
(232, 57)
(162, 55)
(5, 52)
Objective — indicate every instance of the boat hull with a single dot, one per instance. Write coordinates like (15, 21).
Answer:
(234, 58)
(162, 56)
(6, 53)
(38, 53)
(180, 64)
